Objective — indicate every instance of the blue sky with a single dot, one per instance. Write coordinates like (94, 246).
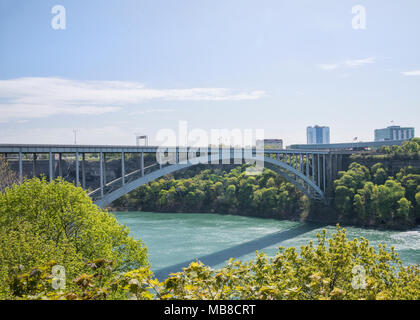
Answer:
(126, 67)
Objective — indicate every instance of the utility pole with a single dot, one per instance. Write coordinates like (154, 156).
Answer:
(75, 134)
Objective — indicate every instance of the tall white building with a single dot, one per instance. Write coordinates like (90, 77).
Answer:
(318, 135)
(394, 133)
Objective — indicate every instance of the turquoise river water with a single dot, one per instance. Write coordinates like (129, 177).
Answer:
(173, 238)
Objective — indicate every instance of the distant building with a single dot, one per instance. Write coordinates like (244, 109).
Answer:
(394, 133)
(318, 135)
(271, 143)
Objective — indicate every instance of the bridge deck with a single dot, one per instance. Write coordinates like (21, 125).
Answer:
(57, 148)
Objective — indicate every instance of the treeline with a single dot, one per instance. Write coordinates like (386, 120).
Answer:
(218, 191)
(372, 197)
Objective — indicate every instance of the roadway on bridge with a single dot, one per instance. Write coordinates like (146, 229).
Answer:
(237, 251)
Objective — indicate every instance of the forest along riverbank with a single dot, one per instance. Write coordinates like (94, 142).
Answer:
(176, 238)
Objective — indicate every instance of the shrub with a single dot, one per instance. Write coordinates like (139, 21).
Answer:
(41, 221)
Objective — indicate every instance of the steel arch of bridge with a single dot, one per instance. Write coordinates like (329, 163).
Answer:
(296, 177)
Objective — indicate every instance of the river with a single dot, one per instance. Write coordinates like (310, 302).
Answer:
(177, 238)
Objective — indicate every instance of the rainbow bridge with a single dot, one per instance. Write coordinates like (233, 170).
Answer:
(311, 171)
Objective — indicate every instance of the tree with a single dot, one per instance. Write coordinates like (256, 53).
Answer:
(360, 207)
(40, 221)
(403, 209)
(417, 202)
(410, 182)
(379, 173)
(7, 177)
(343, 199)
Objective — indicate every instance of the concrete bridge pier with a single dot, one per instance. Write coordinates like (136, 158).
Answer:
(334, 164)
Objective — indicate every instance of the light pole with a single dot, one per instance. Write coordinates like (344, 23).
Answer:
(75, 134)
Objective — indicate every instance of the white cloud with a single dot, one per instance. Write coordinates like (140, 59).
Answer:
(359, 62)
(348, 64)
(411, 73)
(43, 97)
(140, 112)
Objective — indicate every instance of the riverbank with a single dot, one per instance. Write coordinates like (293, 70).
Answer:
(316, 213)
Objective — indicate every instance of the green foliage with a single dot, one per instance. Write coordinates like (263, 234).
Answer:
(372, 197)
(326, 271)
(41, 221)
(214, 190)
(347, 185)
(379, 173)
(7, 176)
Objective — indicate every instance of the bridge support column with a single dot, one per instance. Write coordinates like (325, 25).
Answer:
(300, 162)
(339, 165)
(104, 164)
(323, 172)
(142, 163)
(83, 170)
(101, 174)
(50, 166)
(329, 174)
(20, 167)
(319, 171)
(313, 168)
(60, 164)
(34, 165)
(77, 169)
(307, 165)
(123, 168)
(209, 155)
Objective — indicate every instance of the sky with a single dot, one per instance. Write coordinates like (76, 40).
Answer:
(127, 67)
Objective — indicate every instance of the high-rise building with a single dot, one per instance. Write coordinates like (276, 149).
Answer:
(318, 135)
(394, 133)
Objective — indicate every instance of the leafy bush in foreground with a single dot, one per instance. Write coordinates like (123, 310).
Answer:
(41, 221)
(337, 268)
